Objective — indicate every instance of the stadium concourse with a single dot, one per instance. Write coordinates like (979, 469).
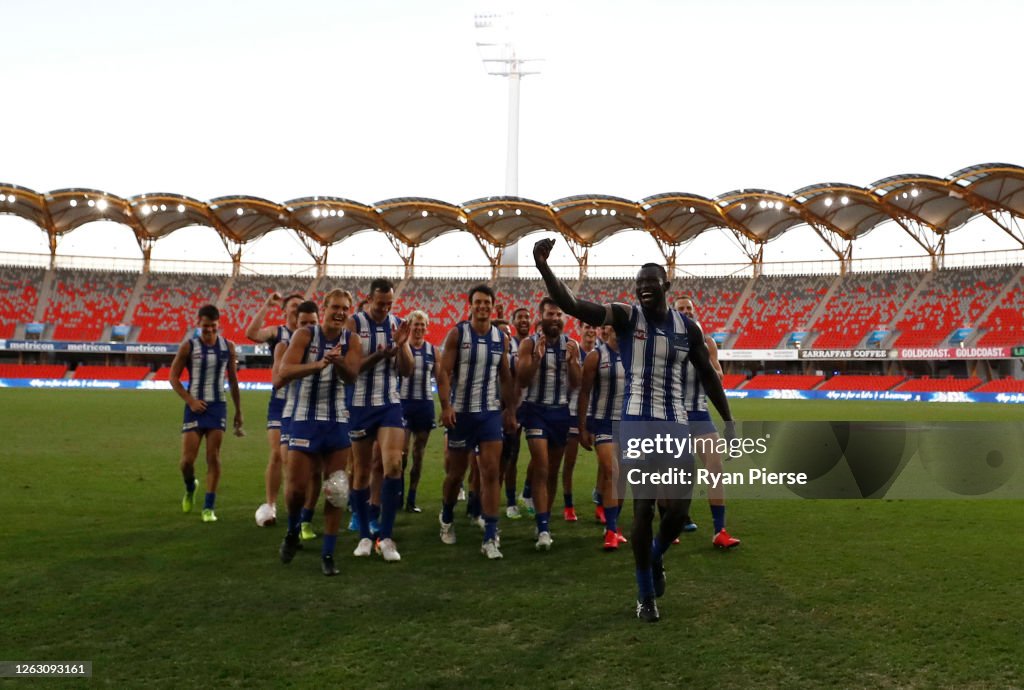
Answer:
(955, 330)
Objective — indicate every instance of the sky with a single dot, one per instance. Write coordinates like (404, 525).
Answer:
(375, 100)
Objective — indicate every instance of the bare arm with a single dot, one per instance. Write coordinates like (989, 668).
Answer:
(701, 359)
(275, 369)
(347, 369)
(255, 331)
(587, 377)
(509, 392)
(573, 355)
(291, 366)
(236, 397)
(444, 380)
(177, 366)
(589, 312)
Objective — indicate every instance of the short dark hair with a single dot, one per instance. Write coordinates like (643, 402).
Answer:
(381, 285)
(519, 310)
(210, 312)
(546, 301)
(486, 289)
(308, 307)
(295, 295)
(362, 304)
(661, 270)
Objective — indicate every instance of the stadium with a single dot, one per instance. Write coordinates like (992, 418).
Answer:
(893, 568)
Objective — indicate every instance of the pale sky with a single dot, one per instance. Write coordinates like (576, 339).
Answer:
(373, 100)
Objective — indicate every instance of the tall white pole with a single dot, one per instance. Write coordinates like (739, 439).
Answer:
(512, 154)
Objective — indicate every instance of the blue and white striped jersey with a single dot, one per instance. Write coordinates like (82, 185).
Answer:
(282, 335)
(418, 386)
(207, 368)
(475, 378)
(379, 385)
(319, 397)
(550, 384)
(655, 356)
(609, 385)
(574, 394)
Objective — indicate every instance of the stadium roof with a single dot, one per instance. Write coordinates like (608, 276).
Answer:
(927, 207)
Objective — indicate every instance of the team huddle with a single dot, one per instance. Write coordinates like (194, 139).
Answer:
(353, 401)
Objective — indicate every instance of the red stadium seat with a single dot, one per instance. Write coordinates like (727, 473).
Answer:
(90, 371)
(32, 371)
(946, 385)
(84, 302)
(255, 375)
(851, 382)
(783, 382)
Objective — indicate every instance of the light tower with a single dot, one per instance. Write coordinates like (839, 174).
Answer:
(498, 49)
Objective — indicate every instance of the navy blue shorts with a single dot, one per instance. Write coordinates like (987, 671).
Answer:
(318, 437)
(574, 426)
(274, 410)
(365, 421)
(546, 421)
(473, 428)
(700, 422)
(419, 415)
(286, 424)
(215, 417)
(601, 430)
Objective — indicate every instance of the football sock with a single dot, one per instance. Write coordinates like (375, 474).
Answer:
(293, 523)
(329, 542)
(527, 493)
(611, 517)
(542, 522)
(490, 527)
(362, 509)
(411, 501)
(598, 499)
(568, 500)
(447, 513)
(658, 550)
(190, 484)
(718, 517)
(510, 495)
(306, 515)
(644, 583)
(473, 505)
(391, 498)
(373, 512)
(208, 501)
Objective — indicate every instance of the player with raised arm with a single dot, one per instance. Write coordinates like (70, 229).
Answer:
(588, 341)
(655, 344)
(418, 402)
(548, 367)
(474, 372)
(272, 335)
(317, 360)
(599, 407)
(377, 414)
(700, 418)
(210, 358)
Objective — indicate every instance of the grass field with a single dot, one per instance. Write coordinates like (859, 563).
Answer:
(98, 563)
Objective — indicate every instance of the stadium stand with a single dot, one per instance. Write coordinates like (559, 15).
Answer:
(32, 371)
(776, 306)
(19, 293)
(952, 299)
(853, 382)
(1004, 327)
(801, 382)
(926, 384)
(255, 375)
(733, 381)
(84, 302)
(110, 373)
(444, 301)
(1002, 386)
(167, 309)
(248, 294)
(861, 303)
(164, 374)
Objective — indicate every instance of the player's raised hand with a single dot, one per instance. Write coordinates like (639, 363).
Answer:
(274, 298)
(401, 334)
(542, 250)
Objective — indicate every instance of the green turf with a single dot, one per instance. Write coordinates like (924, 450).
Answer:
(98, 563)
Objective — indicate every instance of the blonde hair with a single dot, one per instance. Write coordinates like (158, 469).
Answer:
(418, 315)
(338, 292)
